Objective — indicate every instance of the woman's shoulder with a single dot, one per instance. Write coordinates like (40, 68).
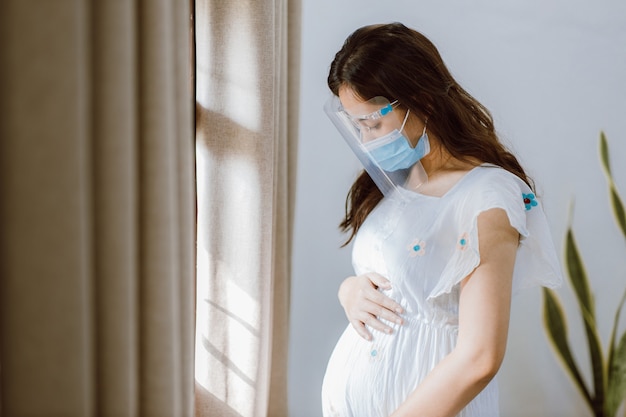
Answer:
(492, 177)
(487, 186)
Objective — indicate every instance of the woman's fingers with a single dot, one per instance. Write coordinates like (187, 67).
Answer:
(361, 329)
(379, 281)
(386, 303)
(376, 296)
(371, 314)
(366, 306)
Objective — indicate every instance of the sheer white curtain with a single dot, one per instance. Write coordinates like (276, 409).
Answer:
(96, 208)
(246, 113)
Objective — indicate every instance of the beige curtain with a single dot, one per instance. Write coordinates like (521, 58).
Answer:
(246, 113)
(97, 208)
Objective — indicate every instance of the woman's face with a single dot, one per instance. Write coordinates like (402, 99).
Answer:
(377, 117)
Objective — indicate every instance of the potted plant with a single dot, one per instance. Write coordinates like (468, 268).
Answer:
(608, 387)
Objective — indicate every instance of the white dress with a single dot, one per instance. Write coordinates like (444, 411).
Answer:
(425, 246)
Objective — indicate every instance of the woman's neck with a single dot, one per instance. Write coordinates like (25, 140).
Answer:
(442, 171)
(439, 160)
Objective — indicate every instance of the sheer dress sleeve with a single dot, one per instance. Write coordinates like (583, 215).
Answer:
(536, 263)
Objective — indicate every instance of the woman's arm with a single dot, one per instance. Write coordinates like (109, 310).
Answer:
(364, 304)
(484, 308)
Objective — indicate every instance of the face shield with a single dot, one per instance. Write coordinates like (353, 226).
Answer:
(373, 130)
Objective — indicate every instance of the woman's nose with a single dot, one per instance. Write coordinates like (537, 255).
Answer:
(366, 134)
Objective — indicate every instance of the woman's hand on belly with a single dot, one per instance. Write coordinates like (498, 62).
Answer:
(364, 304)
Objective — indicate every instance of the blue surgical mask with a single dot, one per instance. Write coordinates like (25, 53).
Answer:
(393, 151)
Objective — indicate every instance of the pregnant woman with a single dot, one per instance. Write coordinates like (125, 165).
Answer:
(446, 226)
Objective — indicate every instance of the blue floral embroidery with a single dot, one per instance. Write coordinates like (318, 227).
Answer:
(375, 354)
(417, 247)
(529, 200)
(461, 244)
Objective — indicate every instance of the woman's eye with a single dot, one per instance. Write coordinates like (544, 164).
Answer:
(369, 126)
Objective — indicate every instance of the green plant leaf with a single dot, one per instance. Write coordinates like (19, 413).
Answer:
(616, 391)
(597, 362)
(618, 209)
(578, 275)
(580, 282)
(556, 324)
(616, 387)
(616, 201)
(614, 330)
(604, 154)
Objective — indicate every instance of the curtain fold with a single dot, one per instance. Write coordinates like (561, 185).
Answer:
(246, 127)
(97, 208)
(115, 188)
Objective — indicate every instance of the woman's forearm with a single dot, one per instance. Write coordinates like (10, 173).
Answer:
(450, 386)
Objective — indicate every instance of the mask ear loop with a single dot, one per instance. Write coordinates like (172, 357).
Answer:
(405, 119)
(418, 176)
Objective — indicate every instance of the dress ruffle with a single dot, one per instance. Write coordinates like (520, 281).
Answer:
(536, 263)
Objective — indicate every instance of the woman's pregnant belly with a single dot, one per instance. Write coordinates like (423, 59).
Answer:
(372, 378)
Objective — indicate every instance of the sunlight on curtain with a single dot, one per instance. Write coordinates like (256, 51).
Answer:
(222, 297)
(230, 64)
(243, 218)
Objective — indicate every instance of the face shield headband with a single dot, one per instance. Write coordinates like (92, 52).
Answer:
(376, 139)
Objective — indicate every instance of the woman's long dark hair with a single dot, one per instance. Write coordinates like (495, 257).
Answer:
(401, 64)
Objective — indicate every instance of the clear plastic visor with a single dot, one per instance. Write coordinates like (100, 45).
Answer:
(373, 119)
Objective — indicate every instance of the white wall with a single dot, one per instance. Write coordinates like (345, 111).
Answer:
(553, 73)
